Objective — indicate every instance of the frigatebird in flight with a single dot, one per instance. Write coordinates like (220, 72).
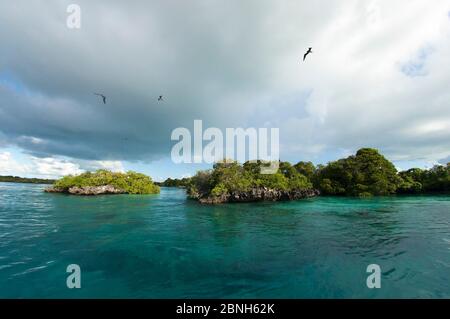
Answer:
(307, 52)
(103, 97)
(160, 98)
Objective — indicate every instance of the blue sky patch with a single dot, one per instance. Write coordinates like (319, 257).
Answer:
(417, 65)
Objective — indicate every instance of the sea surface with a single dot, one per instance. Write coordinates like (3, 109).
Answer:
(164, 246)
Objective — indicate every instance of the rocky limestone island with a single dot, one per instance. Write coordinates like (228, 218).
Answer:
(365, 174)
(87, 190)
(104, 182)
(256, 195)
(231, 182)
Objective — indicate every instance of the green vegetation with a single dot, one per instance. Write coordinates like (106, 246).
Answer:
(229, 176)
(416, 180)
(365, 174)
(16, 179)
(130, 182)
(369, 173)
(306, 168)
(175, 182)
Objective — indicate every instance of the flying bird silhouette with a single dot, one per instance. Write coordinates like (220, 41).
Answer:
(307, 52)
(103, 97)
(160, 98)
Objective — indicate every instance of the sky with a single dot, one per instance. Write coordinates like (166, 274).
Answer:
(378, 77)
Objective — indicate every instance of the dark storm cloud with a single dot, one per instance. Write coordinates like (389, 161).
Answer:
(205, 57)
(229, 63)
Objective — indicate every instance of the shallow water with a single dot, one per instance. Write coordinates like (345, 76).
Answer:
(163, 246)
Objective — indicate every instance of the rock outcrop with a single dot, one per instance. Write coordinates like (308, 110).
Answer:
(256, 195)
(87, 190)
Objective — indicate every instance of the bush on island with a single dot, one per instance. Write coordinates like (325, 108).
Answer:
(130, 182)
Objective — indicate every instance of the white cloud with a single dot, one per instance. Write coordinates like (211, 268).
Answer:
(115, 166)
(361, 97)
(9, 166)
(5, 156)
(51, 167)
(54, 167)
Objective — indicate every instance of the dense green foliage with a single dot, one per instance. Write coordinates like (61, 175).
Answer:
(416, 180)
(16, 179)
(130, 182)
(370, 173)
(175, 182)
(364, 174)
(228, 177)
(367, 173)
(306, 168)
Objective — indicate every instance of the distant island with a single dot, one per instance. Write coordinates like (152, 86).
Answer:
(175, 182)
(231, 182)
(104, 182)
(366, 174)
(16, 179)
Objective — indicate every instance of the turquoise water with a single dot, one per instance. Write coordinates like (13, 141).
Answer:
(162, 246)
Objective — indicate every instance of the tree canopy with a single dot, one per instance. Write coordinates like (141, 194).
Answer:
(364, 174)
(230, 176)
(175, 182)
(17, 179)
(367, 173)
(416, 180)
(130, 182)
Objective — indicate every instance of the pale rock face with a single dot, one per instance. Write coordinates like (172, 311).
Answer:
(257, 195)
(88, 190)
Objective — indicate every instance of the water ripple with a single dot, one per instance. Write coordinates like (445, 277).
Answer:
(163, 246)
